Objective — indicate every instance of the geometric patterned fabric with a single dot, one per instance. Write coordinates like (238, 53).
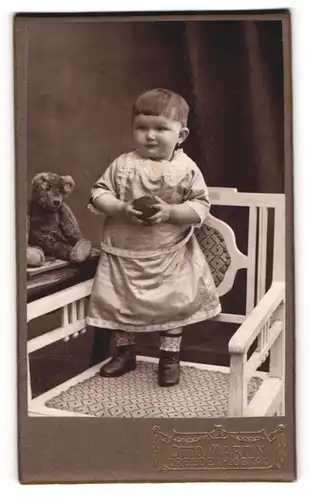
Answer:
(200, 393)
(170, 343)
(214, 248)
(124, 338)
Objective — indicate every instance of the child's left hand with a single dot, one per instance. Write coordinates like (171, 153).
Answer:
(163, 212)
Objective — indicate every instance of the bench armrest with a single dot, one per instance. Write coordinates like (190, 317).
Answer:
(258, 317)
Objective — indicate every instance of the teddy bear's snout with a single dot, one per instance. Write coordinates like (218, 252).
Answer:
(56, 203)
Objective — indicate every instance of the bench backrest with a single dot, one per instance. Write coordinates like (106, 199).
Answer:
(265, 242)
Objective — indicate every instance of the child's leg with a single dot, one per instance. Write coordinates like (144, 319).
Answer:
(169, 357)
(125, 339)
(124, 360)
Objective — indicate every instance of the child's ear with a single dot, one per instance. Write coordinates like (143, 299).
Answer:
(41, 180)
(183, 134)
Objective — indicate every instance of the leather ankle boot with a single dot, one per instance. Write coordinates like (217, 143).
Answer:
(123, 361)
(168, 368)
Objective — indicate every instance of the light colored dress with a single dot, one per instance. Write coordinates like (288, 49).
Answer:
(152, 278)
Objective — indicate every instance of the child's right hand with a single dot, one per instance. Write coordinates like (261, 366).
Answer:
(130, 214)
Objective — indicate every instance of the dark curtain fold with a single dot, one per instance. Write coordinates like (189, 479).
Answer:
(236, 80)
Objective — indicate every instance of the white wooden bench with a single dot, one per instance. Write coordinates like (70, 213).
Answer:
(262, 321)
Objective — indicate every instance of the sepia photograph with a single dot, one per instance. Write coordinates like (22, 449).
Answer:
(153, 166)
(156, 219)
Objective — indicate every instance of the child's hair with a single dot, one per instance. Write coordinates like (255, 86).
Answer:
(162, 102)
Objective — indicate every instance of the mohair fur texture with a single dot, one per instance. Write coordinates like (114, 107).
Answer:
(52, 226)
(35, 255)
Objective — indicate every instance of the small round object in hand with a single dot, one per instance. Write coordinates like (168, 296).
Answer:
(145, 204)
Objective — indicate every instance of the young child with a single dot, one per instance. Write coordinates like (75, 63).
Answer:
(152, 276)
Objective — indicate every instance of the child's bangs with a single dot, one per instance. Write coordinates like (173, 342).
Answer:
(155, 103)
(154, 108)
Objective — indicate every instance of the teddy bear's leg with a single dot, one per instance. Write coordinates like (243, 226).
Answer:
(35, 257)
(81, 251)
(61, 250)
(53, 244)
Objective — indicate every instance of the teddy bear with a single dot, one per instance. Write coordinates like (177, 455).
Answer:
(53, 227)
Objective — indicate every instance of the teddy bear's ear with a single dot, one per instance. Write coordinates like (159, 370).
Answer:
(41, 179)
(68, 184)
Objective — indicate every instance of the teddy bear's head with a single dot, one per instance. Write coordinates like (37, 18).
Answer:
(49, 189)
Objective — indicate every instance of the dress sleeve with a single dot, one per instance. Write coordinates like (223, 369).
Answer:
(106, 184)
(197, 196)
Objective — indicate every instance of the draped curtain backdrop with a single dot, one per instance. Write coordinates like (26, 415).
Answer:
(83, 78)
(235, 77)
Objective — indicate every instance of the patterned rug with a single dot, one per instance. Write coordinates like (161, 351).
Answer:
(201, 393)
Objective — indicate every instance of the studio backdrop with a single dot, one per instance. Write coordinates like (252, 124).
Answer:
(82, 81)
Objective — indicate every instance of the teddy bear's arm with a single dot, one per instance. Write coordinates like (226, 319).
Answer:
(69, 225)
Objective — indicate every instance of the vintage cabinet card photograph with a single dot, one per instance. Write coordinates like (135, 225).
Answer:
(155, 247)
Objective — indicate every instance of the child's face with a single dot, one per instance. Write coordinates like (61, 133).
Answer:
(157, 136)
